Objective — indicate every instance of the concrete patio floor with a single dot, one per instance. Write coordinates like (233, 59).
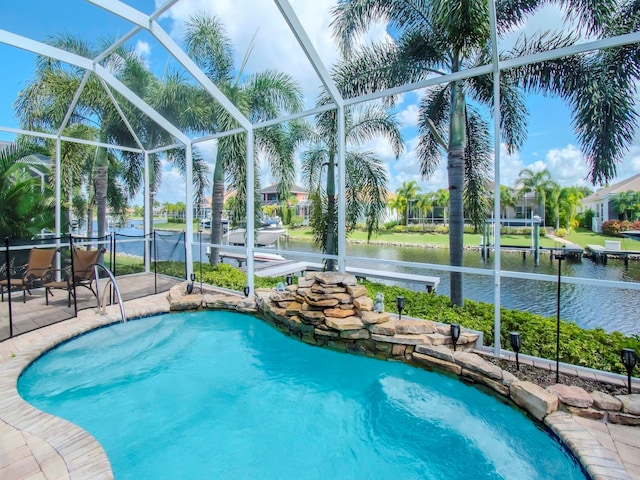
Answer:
(35, 445)
(34, 313)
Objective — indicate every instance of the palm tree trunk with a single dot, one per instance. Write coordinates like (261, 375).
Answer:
(331, 212)
(89, 218)
(455, 167)
(101, 185)
(217, 203)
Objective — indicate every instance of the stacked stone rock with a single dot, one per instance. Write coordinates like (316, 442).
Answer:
(331, 309)
(621, 409)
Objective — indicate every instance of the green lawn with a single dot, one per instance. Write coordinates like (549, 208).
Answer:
(435, 239)
(584, 237)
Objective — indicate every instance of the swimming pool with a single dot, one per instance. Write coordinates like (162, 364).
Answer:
(223, 395)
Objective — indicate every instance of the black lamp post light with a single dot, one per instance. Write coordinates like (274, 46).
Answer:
(629, 358)
(190, 285)
(289, 279)
(516, 345)
(400, 306)
(559, 257)
(247, 290)
(455, 334)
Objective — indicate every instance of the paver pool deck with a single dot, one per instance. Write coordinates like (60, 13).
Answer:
(35, 445)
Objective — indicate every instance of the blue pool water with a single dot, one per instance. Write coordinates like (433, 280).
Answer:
(217, 395)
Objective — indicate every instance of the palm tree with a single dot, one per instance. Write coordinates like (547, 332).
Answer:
(409, 191)
(568, 202)
(435, 37)
(424, 203)
(508, 199)
(44, 103)
(398, 204)
(25, 208)
(366, 178)
(627, 204)
(261, 96)
(537, 182)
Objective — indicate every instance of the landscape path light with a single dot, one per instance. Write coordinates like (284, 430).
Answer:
(289, 279)
(516, 345)
(190, 285)
(400, 305)
(629, 359)
(455, 334)
(247, 290)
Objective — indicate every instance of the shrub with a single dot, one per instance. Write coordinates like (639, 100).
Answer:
(614, 228)
(561, 232)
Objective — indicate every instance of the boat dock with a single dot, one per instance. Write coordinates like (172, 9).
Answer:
(291, 267)
(570, 250)
(598, 253)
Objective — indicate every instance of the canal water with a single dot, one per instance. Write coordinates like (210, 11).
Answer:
(588, 306)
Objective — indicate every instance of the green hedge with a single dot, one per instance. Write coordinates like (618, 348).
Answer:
(578, 346)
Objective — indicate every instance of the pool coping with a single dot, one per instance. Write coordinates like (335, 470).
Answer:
(37, 445)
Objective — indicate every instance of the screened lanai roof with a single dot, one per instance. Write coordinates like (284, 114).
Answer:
(290, 36)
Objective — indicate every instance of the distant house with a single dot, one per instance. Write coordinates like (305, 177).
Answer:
(601, 201)
(269, 195)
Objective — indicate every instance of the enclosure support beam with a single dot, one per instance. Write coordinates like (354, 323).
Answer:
(496, 178)
(148, 213)
(250, 209)
(188, 238)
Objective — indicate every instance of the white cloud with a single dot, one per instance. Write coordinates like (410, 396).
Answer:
(409, 116)
(567, 166)
(143, 51)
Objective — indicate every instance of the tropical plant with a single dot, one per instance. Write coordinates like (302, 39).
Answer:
(435, 37)
(627, 204)
(568, 202)
(409, 191)
(366, 177)
(25, 203)
(508, 199)
(260, 97)
(424, 203)
(540, 184)
(45, 101)
(397, 204)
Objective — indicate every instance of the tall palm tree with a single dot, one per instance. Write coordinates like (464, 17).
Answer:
(43, 103)
(539, 183)
(568, 202)
(409, 191)
(507, 200)
(261, 96)
(424, 203)
(398, 204)
(435, 37)
(366, 177)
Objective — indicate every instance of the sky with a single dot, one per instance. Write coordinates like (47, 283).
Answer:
(551, 142)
